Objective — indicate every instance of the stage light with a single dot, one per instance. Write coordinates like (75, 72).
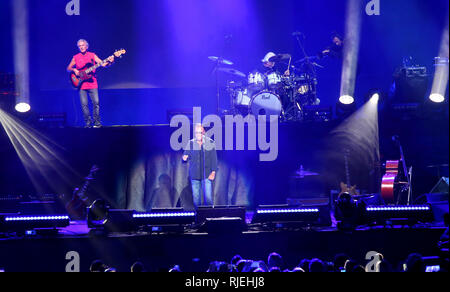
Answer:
(375, 98)
(97, 214)
(437, 98)
(291, 215)
(35, 218)
(344, 110)
(346, 99)
(284, 211)
(409, 214)
(23, 107)
(164, 217)
(348, 212)
(30, 222)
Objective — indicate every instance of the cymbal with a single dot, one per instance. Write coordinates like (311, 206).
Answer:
(279, 58)
(232, 72)
(220, 60)
(309, 58)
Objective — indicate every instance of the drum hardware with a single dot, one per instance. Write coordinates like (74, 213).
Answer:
(218, 61)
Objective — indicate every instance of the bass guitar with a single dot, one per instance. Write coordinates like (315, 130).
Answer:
(87, 71)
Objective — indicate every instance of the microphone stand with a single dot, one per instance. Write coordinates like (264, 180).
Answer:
(215, 70)
(310, 68)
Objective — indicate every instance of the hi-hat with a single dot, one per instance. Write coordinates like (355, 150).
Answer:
(220, 60)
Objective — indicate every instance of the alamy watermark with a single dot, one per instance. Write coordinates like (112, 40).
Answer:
(373, 8)
(73, 7)
(262, 133)
(73, 266)
(374, 258)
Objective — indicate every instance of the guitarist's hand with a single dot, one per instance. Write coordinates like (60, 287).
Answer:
(76, 72)
(110, 61)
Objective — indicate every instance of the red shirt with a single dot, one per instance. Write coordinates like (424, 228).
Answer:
(81, 61)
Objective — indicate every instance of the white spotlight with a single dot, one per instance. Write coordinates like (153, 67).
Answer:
(23, 107)
(375, 98)
(437, 98)
(346, 99)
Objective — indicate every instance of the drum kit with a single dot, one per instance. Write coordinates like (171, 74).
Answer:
(271, 93)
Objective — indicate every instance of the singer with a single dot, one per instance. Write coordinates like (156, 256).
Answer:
(202, 157)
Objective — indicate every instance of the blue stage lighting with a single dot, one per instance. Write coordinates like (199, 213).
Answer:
(160, 218)
(294, 215)
(30, 222)
(280, 211)
(409, 214)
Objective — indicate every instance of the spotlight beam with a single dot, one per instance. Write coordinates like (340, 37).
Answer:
(21, 50)
(39, 155)
(351, 48)
(441, 74)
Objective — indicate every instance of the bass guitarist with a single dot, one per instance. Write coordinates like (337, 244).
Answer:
(83, 60)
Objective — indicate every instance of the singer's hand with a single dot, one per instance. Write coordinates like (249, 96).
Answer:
(212, 176)
(185, 158)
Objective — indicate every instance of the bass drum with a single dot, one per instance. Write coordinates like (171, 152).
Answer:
(266, 103)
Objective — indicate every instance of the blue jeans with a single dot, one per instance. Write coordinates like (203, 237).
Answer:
(207, 192)
(93, 94)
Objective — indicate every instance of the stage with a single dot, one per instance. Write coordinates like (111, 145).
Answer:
(193, 250)
(134, 159)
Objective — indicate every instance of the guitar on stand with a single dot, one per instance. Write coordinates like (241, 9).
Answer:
(76, 207)
(87, 71)
(347, 187)
(392, 185)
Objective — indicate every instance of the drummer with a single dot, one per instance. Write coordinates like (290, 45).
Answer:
(269, 67)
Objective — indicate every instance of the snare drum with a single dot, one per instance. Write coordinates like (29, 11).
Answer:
(274, 80)
(256, 81)
(266, 103)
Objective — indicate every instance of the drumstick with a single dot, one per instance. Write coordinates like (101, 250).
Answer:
(289, 65)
